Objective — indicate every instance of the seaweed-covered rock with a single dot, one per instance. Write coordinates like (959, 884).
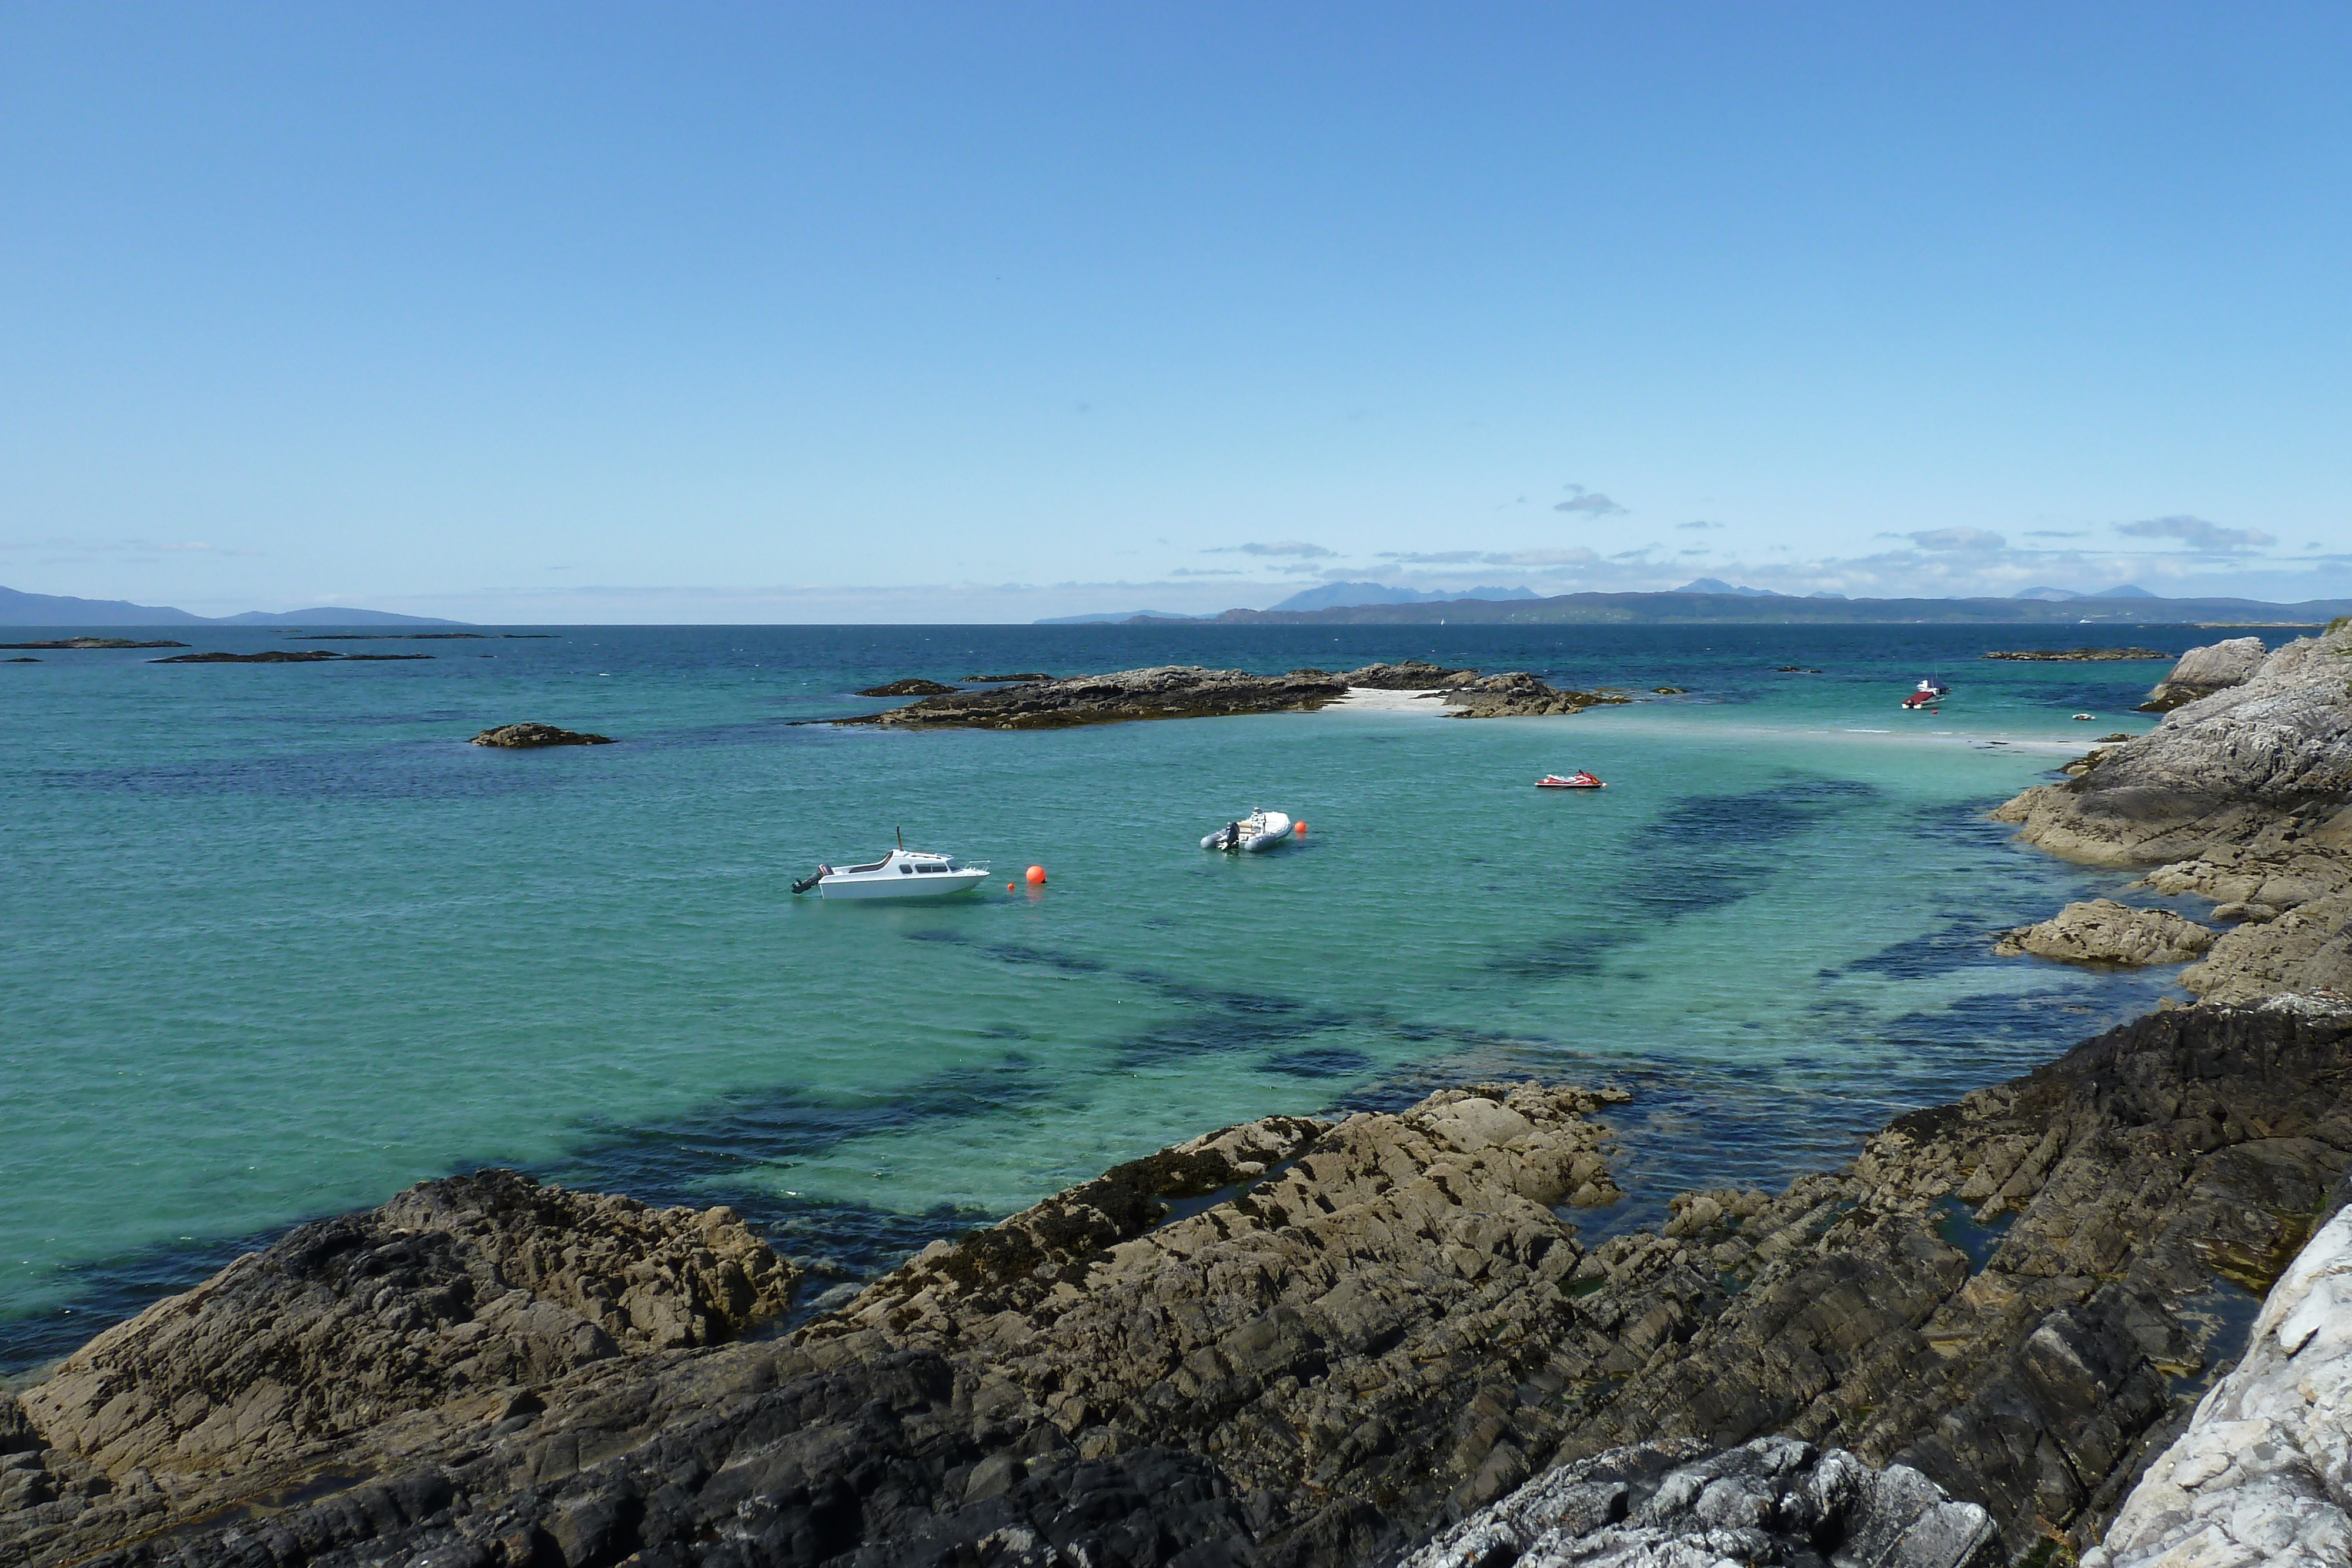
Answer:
(1166, 691)
(1518, 695)
(913, 687)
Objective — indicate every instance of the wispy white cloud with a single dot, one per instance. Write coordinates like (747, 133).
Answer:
(2197, 533)
(1299, 548)
(1535, 558)
(1957, 539)
(1583, 502)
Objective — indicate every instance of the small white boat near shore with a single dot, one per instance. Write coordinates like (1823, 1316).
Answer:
(1258, 832)
(901, 873)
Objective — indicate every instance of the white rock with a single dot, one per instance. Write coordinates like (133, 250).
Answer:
(2263, 1474)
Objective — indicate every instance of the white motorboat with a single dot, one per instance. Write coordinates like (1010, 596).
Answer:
(901, 873)
(1260, 830)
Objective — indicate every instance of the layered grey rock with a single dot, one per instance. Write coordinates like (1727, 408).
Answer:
(1773, 1500)
(2201, 671)
(1293, 1343)
(2103, 931)
(2221, 769)
(367, 1336)
(2263, 1474)
(2244, 797)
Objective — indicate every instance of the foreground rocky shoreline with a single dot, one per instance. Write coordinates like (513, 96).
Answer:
(1371, 1331)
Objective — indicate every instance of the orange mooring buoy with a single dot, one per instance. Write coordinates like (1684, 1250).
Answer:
(1036, 876)
(1299, 829)
(1008, 887)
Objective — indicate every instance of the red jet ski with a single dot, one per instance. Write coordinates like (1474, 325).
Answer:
(1574, 781)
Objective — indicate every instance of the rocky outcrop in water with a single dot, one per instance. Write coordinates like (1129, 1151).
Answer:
(529, 734)
(281, 657)
(2082, 655)
(267, 656)
(1187, 691)
(1292, 1342)
(913, 687)
(1409, 676)
(2201, 671)
(94, 643)
(2104, 932)
(1518, 695)
(2243, 797)
(1664, 1505)
(2263, 1474)
(1169, 691)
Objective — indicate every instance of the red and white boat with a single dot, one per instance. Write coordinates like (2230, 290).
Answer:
(1574, 781)
(1929, 692)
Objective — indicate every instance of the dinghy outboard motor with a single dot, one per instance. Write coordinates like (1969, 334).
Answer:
(810, 881)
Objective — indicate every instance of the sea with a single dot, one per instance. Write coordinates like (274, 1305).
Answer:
(280, 941)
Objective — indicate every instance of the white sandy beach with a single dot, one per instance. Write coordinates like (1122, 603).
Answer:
(1372, 699)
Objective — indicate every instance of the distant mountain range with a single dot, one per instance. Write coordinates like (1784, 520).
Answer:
(1347, 595)
(1329, 596)
(1717, 585)
(1707, 601)
(1376, 603)
(61, 611)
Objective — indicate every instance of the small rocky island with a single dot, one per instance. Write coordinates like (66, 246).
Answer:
(61, 643)
(528, 735)
(284, 656)
(912, 687)
(1188, 691)
(2077, 656)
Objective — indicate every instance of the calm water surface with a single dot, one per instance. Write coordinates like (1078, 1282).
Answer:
(281, 943)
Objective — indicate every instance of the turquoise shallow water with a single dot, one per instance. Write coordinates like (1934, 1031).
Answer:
(281, 943)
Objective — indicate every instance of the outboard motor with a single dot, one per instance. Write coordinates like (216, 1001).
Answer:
(810, 881)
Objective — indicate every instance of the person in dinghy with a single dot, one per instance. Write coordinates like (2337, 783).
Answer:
(1577, 781)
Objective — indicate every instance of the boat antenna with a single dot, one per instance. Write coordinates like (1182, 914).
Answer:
(902, 836)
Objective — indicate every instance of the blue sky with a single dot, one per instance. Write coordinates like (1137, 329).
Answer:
(986, 312)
